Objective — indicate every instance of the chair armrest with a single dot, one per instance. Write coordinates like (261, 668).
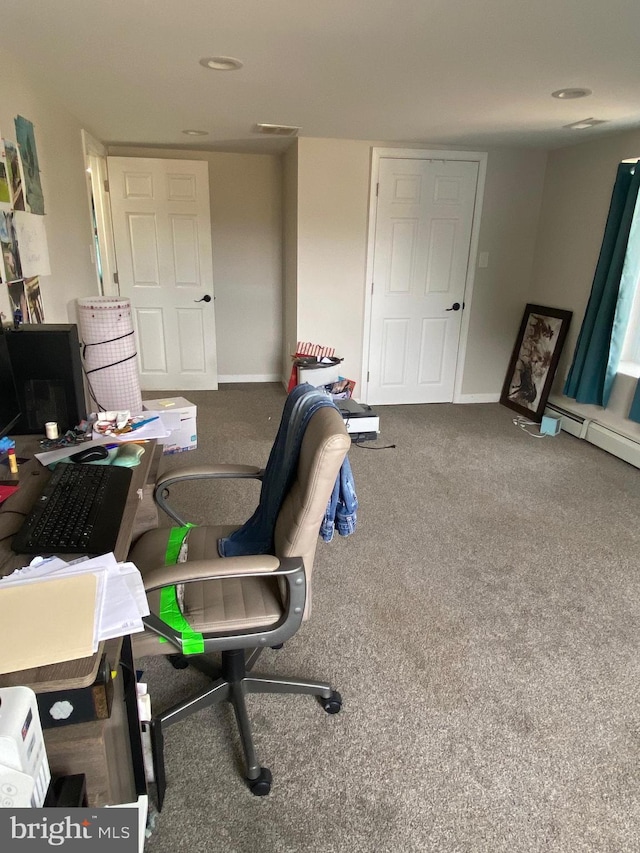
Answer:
(200, 472)
(229, 567)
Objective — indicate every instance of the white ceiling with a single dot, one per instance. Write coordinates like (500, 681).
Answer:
(475, 73)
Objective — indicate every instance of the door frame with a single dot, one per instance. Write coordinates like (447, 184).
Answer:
(95, 161)
(378, 154)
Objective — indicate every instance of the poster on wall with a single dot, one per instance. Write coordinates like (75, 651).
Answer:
(9, 245)
(18, 299)
(34, 300)
(32, 242)
(27, 145)
(5, 196)
(14, 175)
(5, 189)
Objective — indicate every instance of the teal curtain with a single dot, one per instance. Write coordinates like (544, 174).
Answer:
(634, 411)
(597, 352)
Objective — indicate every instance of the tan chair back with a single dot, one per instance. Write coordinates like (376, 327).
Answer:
(324, 447)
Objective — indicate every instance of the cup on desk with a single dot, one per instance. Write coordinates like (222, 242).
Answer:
(51, 429)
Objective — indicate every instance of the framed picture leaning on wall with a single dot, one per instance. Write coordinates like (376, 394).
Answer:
(534, 360)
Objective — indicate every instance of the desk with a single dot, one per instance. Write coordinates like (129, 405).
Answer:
(108, 752)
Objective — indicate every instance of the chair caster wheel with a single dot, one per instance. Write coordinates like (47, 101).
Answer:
(333, 704)
(279, 646)
(261, 786)
(178, 661)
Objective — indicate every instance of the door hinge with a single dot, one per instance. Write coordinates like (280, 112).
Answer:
(106, 185)
(377, 188)
(367, 375)
(116, 280)
(372, 287)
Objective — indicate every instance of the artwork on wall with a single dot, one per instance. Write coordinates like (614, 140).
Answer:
(9, 246)
(24, 255)
(32, 241)
(534, 360)
(5, 194)
(14, 175)
(34, 300)
(29, 157)
(18, 298)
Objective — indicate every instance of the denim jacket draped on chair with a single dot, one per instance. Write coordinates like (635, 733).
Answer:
(256, 535)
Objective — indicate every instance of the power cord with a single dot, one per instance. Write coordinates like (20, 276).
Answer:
(524, 425)
(369, 447)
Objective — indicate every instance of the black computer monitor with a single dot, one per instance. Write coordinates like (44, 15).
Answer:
(9, 405)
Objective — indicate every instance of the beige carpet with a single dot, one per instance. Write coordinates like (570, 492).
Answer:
(482, 625)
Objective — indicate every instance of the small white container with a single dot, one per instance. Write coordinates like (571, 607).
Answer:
(51, 429)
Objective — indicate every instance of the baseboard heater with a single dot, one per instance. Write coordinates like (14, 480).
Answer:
(601, 436)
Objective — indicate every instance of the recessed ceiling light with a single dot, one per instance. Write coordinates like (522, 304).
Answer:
(196, 132)
(570, 94)
(221, 63)
(585, 123)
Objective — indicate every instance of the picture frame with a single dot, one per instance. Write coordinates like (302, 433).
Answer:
(534, 360)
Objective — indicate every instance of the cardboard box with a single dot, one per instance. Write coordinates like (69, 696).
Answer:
(179, 416)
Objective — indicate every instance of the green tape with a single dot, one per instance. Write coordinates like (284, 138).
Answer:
(177, 535)
(192, 641)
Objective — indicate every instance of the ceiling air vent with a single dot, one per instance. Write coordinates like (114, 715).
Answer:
(277, 129)
(585, 123)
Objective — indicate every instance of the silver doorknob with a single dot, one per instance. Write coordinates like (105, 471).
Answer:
(205, 298)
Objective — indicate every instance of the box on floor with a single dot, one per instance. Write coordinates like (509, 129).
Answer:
(178, 416)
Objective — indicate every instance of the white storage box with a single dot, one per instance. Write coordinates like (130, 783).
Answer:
(179, 416)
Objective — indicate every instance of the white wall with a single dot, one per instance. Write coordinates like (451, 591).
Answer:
(576, 199)
(63, 178)
(510, 213)
(246, 224)
(333, 200)
(333, 197)
(290, 240)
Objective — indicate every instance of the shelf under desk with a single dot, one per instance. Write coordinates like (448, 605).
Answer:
(108, 751)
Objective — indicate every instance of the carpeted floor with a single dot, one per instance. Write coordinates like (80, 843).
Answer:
(482, 625)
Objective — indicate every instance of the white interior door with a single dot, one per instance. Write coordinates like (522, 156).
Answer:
(424, 218)
(162, 235)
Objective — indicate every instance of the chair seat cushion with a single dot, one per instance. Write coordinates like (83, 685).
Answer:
(232, 604)
(226, 604)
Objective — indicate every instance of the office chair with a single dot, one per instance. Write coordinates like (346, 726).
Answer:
(240, 604)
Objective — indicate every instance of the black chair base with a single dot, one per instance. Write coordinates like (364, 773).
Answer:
(233, 685)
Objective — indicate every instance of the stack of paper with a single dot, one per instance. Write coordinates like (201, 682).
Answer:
(53, 611)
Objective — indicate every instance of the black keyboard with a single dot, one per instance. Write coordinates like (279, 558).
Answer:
(79, 511)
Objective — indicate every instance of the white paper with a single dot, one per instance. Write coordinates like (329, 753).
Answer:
(135, 583)
(122, 609)
(32, 244)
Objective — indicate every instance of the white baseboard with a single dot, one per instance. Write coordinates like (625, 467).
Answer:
(478, 398)
(249, 377)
